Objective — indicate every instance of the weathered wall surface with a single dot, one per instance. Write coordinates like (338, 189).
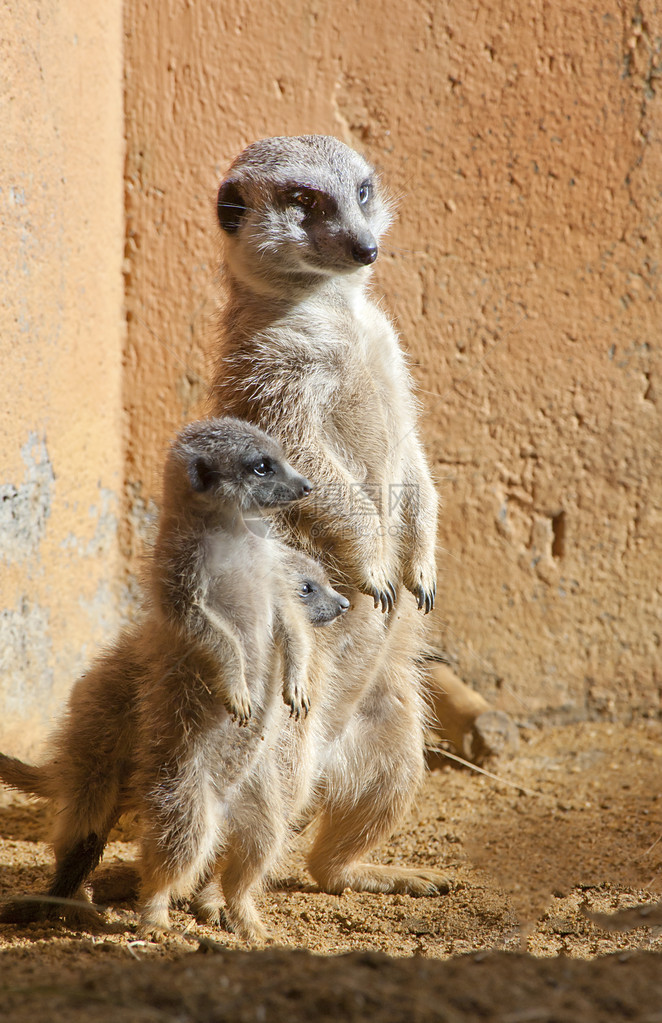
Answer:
(523, 142)
(523, 274)
(61, 336)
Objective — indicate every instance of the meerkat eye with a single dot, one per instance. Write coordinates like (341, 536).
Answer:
(304, 198)
(263, 467)
(365, 190)
(311, 201)
(306, 588)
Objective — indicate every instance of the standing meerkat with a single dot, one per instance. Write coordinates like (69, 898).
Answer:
(209, 795)
(308, 356)
(105, 735)
(260, 810)
(219, 596)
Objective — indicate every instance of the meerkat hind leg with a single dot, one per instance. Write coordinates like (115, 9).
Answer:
(239, 878)
(155, 915)
(381, 748)
(257, 838)
(343, 837)
(175, 855)
(207, 902)
(74, 862)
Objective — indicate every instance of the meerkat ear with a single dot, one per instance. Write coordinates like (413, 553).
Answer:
(201, 474)
(230, 206)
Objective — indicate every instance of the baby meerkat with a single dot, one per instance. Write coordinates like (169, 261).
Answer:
(206, 791)
(108, 724)
(307, 355)
(322, 603)
(218, 599)
(256, 817)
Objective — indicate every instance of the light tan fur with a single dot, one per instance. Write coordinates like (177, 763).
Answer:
(150, 725)
(309, 357)
(268, 796)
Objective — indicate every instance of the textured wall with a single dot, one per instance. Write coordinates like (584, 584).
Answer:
(61, 335)
(523, 142)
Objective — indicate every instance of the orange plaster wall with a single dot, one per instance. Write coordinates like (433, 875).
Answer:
(61, 338)
(523, 143)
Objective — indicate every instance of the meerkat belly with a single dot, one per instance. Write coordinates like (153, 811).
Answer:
(366, 422)
(240, 590)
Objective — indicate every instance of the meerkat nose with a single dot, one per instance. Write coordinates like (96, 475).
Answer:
(343, 604)
(306, 487)
(364, 251)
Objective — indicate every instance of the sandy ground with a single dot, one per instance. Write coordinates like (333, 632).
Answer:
(511, 942)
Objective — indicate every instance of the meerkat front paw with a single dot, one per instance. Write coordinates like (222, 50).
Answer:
(238, 706)
(379, 586)
(422, 582)
(295, 696)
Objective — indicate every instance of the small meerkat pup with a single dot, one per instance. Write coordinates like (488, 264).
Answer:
(206, 790)
(204, 573)
(107, 718)
(261, 809)
(322, 603)
(256, 821)
(217, 601)
(307, 355)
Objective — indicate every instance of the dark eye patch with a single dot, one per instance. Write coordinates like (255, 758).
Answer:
(202, 475)
(313, 201)
(262, 467)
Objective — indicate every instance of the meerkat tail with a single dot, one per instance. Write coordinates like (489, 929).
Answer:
(27, 778)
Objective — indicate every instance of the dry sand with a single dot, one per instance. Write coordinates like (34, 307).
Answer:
(511, 942)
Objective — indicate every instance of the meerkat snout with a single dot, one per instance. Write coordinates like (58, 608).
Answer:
(289, 486)
(364, 250)
(323, 604)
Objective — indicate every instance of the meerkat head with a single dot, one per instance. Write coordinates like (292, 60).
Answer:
(301, 209)
(229, 460)
(322, 603)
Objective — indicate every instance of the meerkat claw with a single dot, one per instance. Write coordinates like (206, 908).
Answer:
(424, 598)
(299, 707)
(383, 598)
(241, 715)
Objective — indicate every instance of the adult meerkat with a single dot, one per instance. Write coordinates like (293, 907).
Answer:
(217, 595)
(307, 355)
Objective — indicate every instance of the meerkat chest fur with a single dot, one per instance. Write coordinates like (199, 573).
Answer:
(245, 598)
(336, 353)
